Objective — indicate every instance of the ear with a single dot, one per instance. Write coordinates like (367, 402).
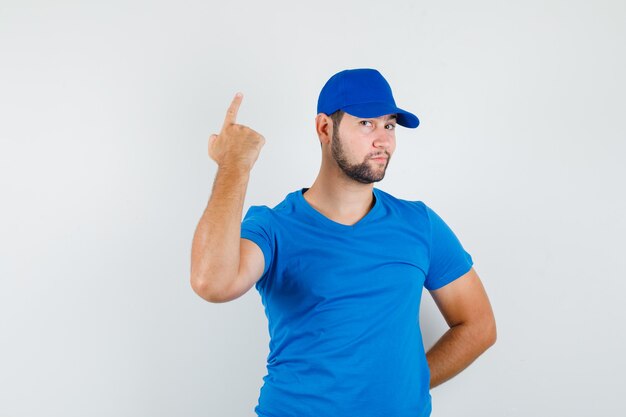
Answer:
(324, 127)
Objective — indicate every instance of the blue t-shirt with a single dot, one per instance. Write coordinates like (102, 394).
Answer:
(342, 304)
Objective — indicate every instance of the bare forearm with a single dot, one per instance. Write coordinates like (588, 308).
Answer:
(215, 248)
(455, 351)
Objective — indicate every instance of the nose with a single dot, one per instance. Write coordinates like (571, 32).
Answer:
(384, 138)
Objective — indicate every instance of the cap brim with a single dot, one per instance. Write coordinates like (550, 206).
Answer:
(404, 117)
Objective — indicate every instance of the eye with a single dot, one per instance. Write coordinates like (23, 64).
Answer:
(364, 121)
(391, 126)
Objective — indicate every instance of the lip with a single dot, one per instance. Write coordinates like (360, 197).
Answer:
(382, 158)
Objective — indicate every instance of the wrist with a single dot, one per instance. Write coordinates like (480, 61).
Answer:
(233, 169)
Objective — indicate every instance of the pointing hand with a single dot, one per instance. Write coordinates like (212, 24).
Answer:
(237, 146)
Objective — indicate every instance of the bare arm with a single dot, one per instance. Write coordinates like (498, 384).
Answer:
(215, 252)
(466, 308)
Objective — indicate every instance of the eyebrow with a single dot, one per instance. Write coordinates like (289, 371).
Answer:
(392, 116)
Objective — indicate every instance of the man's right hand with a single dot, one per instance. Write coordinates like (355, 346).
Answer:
(236, 146)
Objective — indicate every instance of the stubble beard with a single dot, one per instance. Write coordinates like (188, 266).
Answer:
(362, 172)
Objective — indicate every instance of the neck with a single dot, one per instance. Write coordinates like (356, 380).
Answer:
(340, 198)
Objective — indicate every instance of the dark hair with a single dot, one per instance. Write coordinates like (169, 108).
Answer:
(336, 118)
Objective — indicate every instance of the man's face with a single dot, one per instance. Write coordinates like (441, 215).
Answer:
(360, 140)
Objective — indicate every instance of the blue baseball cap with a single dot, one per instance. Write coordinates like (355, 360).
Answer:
(362, 92)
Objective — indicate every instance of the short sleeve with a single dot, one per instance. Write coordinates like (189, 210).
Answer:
(256, 227)
(448, 258)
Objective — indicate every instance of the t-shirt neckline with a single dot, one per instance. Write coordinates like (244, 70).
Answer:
(331, 223)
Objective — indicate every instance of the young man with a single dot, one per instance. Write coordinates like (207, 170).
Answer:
(340, 267)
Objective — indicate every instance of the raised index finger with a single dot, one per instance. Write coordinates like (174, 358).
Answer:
(231, 114)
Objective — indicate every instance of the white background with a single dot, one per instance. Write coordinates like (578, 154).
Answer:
(105, 113)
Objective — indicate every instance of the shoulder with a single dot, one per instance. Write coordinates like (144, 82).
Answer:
(415, 206)
(268, 214)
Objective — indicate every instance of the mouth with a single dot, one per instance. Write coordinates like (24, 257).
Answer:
(380, 159)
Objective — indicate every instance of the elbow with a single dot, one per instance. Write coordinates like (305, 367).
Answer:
(206, 291)
(490, 333)
(483, 332)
